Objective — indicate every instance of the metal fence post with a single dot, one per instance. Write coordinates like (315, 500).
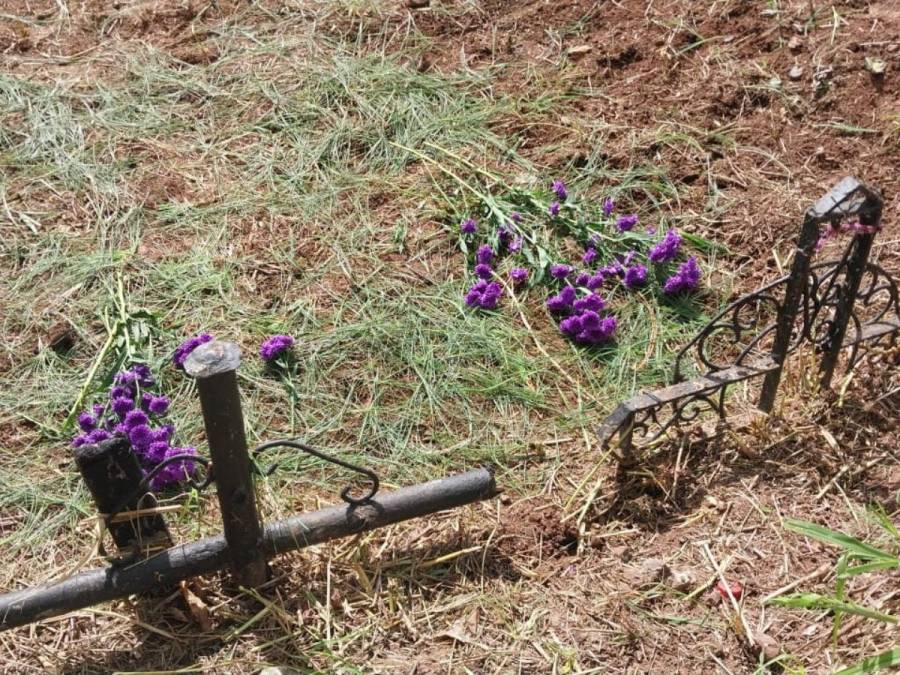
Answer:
(214, 367)
(787, 313)
(870, 219)
(112, 474)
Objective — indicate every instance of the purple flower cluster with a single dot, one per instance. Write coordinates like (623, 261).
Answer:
(189, 345)
(578, 305)
(518, 274)
(589, 328)
(584, 324)
(667, 249)
(275, 346)
(469, 226)
(560, 271)
(484, 294)
(635, 276)
(685, 279)
(135, 411)
(562, 301)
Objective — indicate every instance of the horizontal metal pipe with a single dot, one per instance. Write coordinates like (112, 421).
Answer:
(209, 554)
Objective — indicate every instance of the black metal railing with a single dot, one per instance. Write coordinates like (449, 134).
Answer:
(849, 303)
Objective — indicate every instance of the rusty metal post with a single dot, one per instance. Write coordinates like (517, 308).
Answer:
(112, 474)
(856, 269)
(787, 313)
(214, 366)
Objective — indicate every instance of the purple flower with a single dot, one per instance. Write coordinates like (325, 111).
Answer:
(87, 422)
(636, 276)
(596, 281)
(666, 249)
(78, 441)
(592, 302)
(176, 471)
(560, 271)
(143, 375)
(589, 328)
(189, 345)
(504, 234)
(275, 346)
(121, 392)
(554, 209)
(483, 271)
(484, 294)
(146, 400)
(611, 270)
(590, 255)
(125, 377)
(484, 255)
(516, 244)
(135, 418)
(156, 452)
(121, 405)
(609, 205)
(518, 274)
(562, 301)
(622, 261)
(626, 223)
(163, 433)
(570, 325)
(98, 409)
(560, 189)
(140, 436)
(685, 279)
(469, 226)
(516, 217)
(98, 435)
(159, 405)
(583, 279)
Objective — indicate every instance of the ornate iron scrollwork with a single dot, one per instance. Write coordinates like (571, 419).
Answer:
(346, 492)
(815, 304)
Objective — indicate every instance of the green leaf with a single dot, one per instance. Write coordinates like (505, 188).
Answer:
(852, 545)
(885, 521)
(816, 601)
(868, 665)
(869, 567)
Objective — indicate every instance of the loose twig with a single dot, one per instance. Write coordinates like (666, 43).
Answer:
(737, 608)
(815, 574)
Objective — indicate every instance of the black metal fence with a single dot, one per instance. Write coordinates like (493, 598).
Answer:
(846, 304)
(146, 561)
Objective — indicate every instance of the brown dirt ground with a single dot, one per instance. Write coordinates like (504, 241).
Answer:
(549, 587)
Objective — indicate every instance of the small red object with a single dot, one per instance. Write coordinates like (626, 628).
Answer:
(736, 590)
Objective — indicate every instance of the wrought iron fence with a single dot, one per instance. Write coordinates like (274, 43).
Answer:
(844, 304)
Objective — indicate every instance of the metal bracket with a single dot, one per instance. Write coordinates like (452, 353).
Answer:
(345, 493)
